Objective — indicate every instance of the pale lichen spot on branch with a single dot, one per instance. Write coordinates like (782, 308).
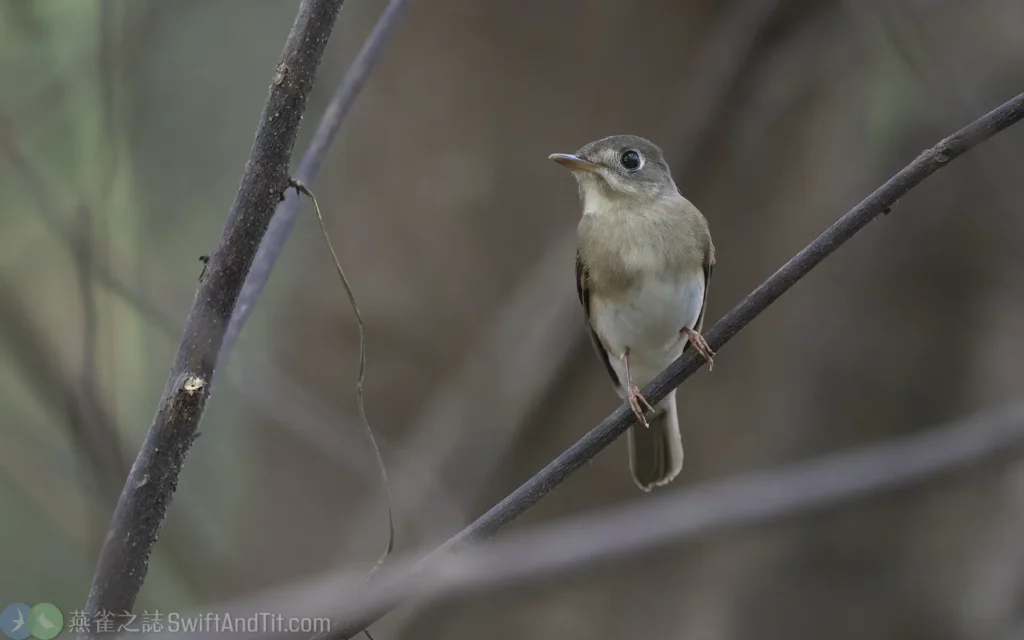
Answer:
(193, 384)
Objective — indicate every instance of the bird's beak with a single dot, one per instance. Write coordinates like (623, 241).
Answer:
(574, 163)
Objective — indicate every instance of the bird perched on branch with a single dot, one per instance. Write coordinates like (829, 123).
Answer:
(642, 272)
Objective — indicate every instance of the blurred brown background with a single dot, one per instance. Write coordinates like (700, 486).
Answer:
(124, 127)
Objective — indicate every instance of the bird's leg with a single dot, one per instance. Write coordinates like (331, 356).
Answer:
(633, 395)
(701, 345)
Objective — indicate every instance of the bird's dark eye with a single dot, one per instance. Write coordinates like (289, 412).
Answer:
(631, 160)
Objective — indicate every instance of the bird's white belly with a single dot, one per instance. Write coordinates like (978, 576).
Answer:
(647, 320)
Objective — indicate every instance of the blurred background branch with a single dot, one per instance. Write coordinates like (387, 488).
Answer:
(592, 541)
(330, 124)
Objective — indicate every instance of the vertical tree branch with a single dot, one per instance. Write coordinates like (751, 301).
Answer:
(141, 509)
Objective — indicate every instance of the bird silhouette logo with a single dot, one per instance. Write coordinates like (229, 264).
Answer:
(14, 621)
(43, 621)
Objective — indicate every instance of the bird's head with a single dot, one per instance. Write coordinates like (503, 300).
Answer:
(618, 167)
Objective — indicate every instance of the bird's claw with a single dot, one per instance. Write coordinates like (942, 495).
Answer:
(702, 346)
(636, 402)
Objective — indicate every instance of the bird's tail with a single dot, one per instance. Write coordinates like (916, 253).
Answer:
(656, 452)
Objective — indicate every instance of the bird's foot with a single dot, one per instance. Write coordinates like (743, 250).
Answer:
(637, 402)
(701, 345)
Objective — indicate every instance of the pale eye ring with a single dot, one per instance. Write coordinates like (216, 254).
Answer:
(631, 159)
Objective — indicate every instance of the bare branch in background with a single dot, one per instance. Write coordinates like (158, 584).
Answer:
(34, 181)
(330, 123)
(142, 507)
(616, 424)
(741, 502)
(114, 65)
(576, 542)
(91, 426)
(89, 392)
(110, 56)
(993, 592)
(106, 455)
(38, 363)
(534, 331)
(718, 65)
(56, 493)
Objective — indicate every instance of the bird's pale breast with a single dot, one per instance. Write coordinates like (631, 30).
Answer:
(647, 318)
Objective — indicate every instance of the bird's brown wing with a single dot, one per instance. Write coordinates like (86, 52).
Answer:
(709, 266)
(584, 294)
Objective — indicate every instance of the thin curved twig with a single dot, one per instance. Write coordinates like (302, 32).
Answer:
(740, 316)
(361, 374)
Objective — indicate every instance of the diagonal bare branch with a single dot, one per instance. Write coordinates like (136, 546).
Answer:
(740, 316)
(588, 540)
(747, 500)
(143, 504)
